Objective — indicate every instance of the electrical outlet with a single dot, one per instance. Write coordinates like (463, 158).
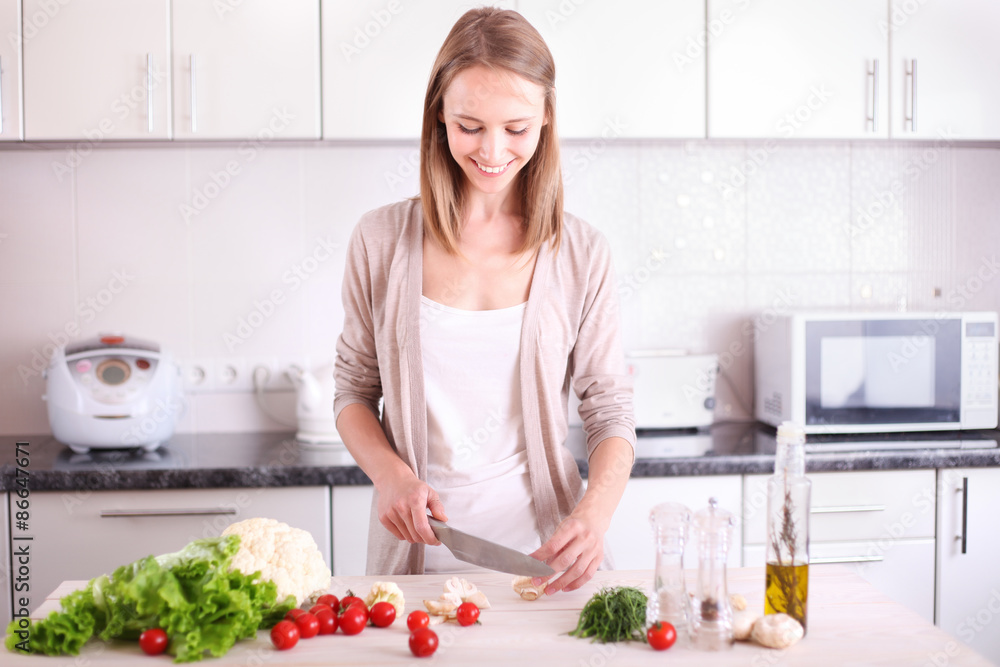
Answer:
(235, 375)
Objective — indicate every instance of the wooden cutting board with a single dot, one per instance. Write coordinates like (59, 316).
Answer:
(850, 623)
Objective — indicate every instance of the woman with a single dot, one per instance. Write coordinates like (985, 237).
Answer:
(471, 311)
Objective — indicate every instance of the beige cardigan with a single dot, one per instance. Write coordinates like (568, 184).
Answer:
(570, 330)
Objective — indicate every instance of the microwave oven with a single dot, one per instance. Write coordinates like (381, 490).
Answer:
(877, 372)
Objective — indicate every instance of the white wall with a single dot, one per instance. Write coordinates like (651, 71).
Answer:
(706, 235)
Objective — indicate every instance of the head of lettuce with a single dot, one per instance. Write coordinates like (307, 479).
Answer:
(199, 596)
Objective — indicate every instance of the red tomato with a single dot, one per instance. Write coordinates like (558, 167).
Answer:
(423, 642)
(284, 635)
(353, 620)
(293, 614)
(382, 614)
(327, 619)
(329, 599)
(153, 641)
(467, 613)
(661, 636)
(417, 620)
(308, 625)
(350, 601)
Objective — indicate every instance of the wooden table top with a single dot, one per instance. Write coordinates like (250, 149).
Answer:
(850, 623)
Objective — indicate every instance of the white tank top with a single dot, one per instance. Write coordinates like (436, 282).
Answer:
(476, 456)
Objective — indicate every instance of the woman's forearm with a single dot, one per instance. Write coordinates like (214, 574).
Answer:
(365, 440)
(609, 468)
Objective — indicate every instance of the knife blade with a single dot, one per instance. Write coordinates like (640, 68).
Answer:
(482, 552)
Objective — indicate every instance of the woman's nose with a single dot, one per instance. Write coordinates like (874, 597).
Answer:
(492, 147)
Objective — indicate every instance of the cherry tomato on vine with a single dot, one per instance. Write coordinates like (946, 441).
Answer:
(308, 625)
(382, 614)
(330, 600)
(153, 641)
(293, 614)
(467, 613)
(423, 642)
(417, 620)
(327, 619)
(284, 635)
(353, 620)
(661, 636)
(351, 601)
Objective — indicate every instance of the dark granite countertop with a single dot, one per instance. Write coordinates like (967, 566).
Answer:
(220, 460)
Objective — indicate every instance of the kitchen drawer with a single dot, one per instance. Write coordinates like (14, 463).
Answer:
(82, 534)
(901, 569)
(866, 505)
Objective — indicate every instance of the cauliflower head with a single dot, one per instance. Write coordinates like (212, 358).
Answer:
(287, 556)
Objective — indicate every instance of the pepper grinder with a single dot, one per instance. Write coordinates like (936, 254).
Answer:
(713, 627)
(669, 602)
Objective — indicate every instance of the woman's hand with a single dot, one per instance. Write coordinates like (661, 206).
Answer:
(403, 502)
(576, 549)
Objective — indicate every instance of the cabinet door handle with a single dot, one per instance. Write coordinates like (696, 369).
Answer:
(846, 559)
(194, 94)
(149, 93)
(839, 509)
(911, 74)
(194, 511)
(964, 490)
(873, 73)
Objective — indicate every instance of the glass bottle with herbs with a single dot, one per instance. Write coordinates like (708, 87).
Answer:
(788, 494)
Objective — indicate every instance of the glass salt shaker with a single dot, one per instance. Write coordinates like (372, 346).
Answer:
(713, 623)
(669, 601)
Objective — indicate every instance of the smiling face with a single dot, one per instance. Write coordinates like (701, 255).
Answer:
(493, 121)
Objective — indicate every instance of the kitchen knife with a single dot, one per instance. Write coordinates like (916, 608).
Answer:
(493, 556)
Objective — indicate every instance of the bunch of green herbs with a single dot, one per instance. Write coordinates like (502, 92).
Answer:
(612, 615)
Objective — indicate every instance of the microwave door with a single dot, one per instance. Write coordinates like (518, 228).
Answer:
(883, 372)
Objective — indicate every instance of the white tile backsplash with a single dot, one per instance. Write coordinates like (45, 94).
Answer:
(237, 251)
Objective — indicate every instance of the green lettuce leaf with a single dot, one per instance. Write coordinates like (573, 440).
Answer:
(193, 595)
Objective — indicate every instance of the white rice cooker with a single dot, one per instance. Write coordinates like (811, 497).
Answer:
(112, 392)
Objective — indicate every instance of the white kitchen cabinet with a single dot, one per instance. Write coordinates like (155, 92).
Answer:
(630, 536)
(11, 123)
(248, 69)
(7, 575)
(791, 69)
(351, 512)
(954, 91)
(96, 70)
(377, 59)
(631, 69)
(83, 534)
(879, 523)
(968, 576)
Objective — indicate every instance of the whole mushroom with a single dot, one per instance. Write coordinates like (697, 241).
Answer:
(777, 631)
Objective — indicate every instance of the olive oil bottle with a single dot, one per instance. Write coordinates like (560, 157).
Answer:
(786, 588)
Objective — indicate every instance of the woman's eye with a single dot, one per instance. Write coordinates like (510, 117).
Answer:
(467, 130)
(519, 132)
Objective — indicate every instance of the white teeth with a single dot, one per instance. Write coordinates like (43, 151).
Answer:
(490, 170)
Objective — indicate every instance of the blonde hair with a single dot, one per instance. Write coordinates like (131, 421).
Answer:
(500, 40)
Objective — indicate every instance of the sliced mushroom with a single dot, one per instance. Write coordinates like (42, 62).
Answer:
(777, 631)
(527, 590)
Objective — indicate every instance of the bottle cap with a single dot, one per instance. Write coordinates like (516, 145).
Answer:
(792, 432)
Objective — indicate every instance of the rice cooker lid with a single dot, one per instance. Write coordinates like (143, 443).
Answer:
(103, 343)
